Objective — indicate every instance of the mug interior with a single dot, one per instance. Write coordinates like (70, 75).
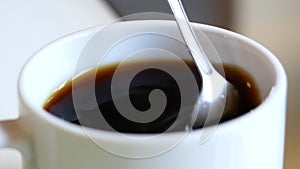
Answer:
(58, 62)
(237, 50)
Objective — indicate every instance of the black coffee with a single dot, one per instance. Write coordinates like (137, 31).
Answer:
(61, 103)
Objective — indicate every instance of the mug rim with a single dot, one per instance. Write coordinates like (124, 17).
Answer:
(280, 86)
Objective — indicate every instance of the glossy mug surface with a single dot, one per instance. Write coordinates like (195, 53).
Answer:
(254, 140)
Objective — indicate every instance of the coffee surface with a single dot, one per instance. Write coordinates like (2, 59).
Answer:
(104, 114)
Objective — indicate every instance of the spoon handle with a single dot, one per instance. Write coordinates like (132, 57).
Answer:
(199, 56)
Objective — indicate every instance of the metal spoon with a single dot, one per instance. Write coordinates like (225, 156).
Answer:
(218, 97)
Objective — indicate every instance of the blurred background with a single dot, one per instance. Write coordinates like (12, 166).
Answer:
(28, 25)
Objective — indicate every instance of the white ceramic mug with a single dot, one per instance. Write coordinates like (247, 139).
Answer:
(254, 140)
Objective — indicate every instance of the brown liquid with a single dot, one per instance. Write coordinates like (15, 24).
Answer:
(61, 103)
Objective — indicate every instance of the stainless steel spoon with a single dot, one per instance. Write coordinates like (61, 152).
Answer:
(218, 96)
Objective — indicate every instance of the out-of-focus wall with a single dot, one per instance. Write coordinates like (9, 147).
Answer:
(28, 25)
(276, 25)
(213, 12)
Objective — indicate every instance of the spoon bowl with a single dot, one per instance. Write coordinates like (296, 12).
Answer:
(218, 97)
